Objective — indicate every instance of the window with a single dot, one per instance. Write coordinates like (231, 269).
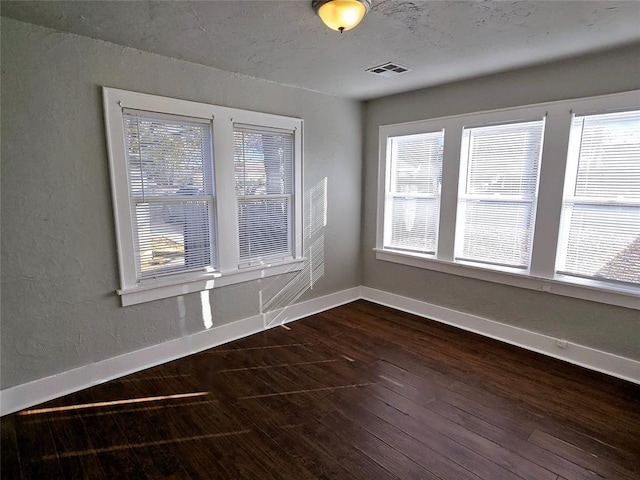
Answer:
(413, 192)
(170, 171)
(203, 195)
(545, 197)
(264, 189)
(497, 195)
(600, 230)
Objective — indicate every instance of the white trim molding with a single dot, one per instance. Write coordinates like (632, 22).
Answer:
(598, 360)
(41, 390)
(613, 295)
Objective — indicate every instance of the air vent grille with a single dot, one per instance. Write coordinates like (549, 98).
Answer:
(389, 69)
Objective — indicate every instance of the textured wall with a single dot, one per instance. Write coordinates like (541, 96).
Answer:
(612, 329)
(59, 265)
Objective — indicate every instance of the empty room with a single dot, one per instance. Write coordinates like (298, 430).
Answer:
(331, 239)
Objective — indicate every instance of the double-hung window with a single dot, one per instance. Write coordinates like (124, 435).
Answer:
(600, 229)
(412, 204)
(264, 164)
(545, 197)
(170, 173)
(203, 195)
(499, 167)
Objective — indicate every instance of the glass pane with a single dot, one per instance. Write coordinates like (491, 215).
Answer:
(608, 156)
(498, 233)
(416, 163)
(263, 228)
(172, 236)
(503, 159)
(602, 242)
(263, 162)
(414, 224)
(167, 156)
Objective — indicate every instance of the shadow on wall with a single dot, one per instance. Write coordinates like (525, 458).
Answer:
(275, 297)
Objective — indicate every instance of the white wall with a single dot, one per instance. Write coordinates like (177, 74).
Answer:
(59, 266)
(611, 329)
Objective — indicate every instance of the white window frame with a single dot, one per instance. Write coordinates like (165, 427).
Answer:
(288, 197)
(390, 195)
(464, 197)
(541, 275)
(571, 198)
(132, 290)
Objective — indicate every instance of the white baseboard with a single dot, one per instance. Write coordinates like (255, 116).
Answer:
(621, 367)
(47, 388)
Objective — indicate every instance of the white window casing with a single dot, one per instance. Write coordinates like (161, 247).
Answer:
(175, 206)
(540, 262)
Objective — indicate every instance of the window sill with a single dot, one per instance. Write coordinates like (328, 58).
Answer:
(156, 289)
(584, 289)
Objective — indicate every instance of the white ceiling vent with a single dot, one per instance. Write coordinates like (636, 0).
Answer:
(389, 69)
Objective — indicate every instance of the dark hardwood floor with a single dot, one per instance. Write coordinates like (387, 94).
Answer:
(357, 392)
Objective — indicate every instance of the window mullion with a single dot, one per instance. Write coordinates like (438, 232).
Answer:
(225, 195)
(449, 194)
(550, 192)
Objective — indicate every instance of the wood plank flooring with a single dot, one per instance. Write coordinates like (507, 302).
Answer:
(357, 392)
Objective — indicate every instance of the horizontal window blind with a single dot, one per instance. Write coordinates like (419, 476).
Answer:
(169, 162)
(264, 177)
(412, 207)
(499, 173)
(600, 228)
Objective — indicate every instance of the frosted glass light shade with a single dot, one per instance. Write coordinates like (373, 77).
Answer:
(342, 15)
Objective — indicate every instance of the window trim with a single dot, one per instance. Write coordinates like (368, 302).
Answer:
(132, 290)
(541, 275)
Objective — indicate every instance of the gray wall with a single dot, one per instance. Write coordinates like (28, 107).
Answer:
(59, 265)
(612, 329)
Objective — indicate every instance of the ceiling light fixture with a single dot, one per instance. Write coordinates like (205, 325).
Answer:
(341, 15)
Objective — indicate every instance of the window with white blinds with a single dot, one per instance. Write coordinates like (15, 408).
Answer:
(170, 171)
(499, 169)
(535, 196)
(204, 196)
(264, 178)
(600, 228)
(413, 192)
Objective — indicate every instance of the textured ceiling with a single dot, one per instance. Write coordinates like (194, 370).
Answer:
(284, 41)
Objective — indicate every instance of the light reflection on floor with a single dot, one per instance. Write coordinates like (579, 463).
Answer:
(112, 403)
